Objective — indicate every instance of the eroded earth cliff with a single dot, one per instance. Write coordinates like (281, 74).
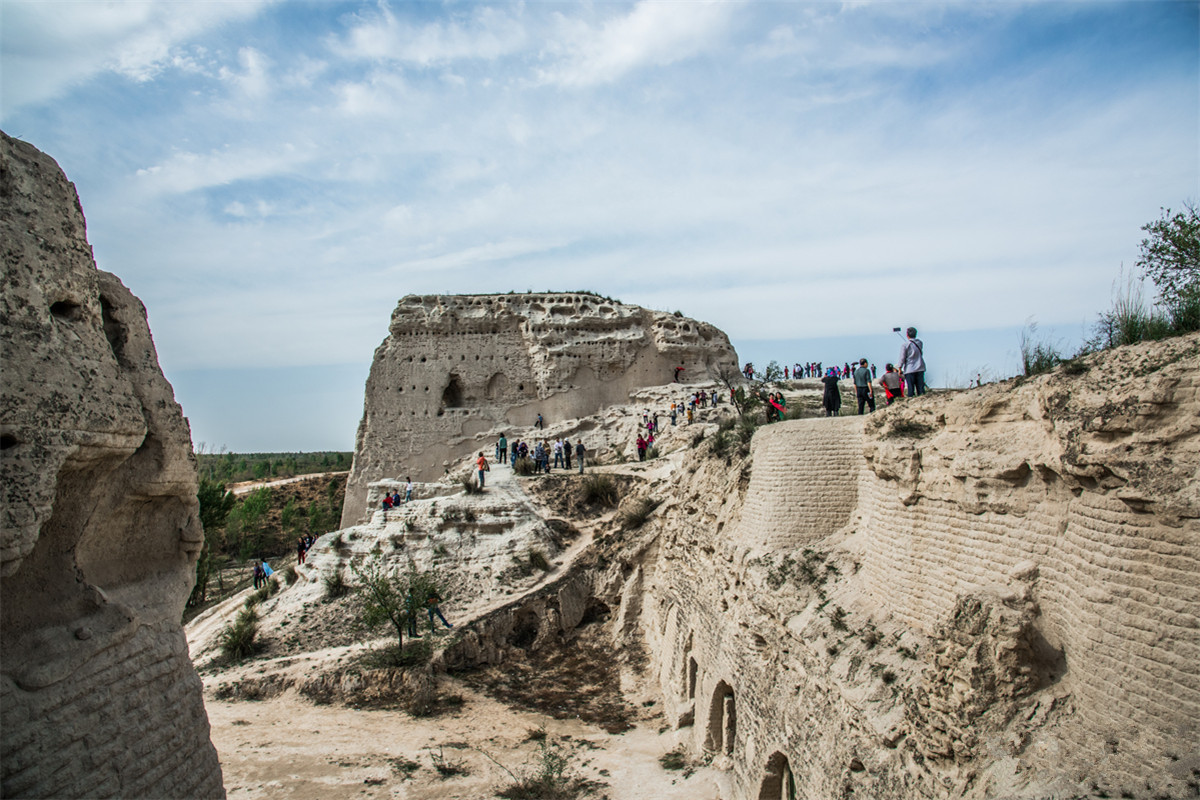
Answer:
(100, 521)
(982, 594)
(457, 370)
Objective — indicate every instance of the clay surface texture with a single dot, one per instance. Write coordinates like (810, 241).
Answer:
(100, 521)
(457, 370)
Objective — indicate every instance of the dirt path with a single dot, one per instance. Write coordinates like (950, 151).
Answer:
(288, 748)
(249, 486)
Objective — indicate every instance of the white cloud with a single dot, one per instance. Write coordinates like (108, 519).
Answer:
(483, 34)
(186, 172)
(252, 82)
(49, 47)
(651, 34)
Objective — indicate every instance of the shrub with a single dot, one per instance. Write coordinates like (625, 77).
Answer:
(237, 640)
(552, 777)
(537, 559)
(413, 654)
(908, 429)
(652, 452)
(600, 488)
(524, 466)
(447, 767)
(289, 575)
(675, 759)
(871, 636)
(1037, 357)
(637, 514)
(470, 486)
(335, 584)
(838, 619)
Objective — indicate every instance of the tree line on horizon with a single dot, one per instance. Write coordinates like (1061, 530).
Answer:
(228, 467)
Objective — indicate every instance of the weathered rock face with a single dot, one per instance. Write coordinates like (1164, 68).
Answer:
(457, 370)
(986, 594)
(100, 521)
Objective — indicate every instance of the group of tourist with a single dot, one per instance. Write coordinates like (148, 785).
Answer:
(546, 454)
(303, 543)
(912, 360)
(394, 500)
(909, 370)
(262, 572)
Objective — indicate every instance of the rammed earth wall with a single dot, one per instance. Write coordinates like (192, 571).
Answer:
(457, 370)
(988, 594)
(101, 529)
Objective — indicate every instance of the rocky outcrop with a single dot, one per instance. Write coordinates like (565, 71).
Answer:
(101, 528)
(457, 370)
(980, 594)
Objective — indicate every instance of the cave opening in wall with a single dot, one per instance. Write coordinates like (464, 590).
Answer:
(452, 396)
(692, 670)
(778, 783)
(722, 720)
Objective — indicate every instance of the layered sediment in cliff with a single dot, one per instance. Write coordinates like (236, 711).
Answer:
(457, 370)
(990, 593)
(101, 528)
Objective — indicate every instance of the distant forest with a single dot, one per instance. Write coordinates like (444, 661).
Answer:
(237, 467)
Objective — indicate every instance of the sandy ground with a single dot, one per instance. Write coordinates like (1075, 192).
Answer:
(289, 748)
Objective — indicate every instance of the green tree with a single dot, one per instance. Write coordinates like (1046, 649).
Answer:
(215, 505)
(1170, 255)
(319, 520)
(392, 596)
(290, 518)
(246, 522)
(773, 373)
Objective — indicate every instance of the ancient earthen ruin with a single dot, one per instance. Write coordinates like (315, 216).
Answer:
(978, 594)
(455, 371)
(981, 594)
(100, 524)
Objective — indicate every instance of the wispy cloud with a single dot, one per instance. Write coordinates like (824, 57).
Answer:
(483, 33)
(271, 179)
(49, 47)
(650, 34)
(187, 172)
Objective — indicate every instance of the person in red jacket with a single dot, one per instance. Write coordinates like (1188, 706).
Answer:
(892, 383)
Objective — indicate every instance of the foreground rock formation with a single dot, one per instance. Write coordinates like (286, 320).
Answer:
(100, 521)
(457, 370)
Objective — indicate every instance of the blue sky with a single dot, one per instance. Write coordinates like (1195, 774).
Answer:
(270, 178)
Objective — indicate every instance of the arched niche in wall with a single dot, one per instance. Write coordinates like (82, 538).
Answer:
(722, 720)
(778, 783)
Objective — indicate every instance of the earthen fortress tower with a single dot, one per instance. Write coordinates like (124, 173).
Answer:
(457, 370)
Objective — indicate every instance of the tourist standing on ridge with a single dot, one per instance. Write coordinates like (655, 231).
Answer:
(832, 399)
(579, 452)
(481, 464)
(678, 370)
(502, 449)
(892, 383)
(912, 364)
(433, 603)
(407, 489)
(862, 386)
(540, 424)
